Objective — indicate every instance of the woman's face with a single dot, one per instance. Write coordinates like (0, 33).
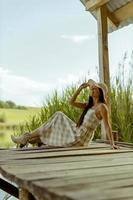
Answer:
(94, 91)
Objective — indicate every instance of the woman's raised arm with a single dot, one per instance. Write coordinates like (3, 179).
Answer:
(72, 100)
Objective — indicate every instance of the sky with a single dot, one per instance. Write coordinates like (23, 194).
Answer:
(47, 45)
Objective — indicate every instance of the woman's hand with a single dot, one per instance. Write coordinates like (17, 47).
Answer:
(83, 85)
(113, 146)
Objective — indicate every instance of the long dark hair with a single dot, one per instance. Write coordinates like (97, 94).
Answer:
(89, 105)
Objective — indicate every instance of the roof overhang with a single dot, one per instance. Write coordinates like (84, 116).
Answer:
(119, 12)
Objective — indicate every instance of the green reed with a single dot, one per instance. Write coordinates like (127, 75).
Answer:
(56, 102)
(122, 101)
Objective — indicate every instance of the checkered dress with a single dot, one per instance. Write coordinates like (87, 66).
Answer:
(59, 130)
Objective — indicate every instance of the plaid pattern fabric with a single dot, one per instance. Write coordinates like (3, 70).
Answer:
(59, 130)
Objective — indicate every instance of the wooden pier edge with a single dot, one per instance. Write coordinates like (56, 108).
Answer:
(29, 191)
(123, 144)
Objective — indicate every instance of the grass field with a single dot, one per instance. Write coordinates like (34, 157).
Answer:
(13, 117)
(16, 116)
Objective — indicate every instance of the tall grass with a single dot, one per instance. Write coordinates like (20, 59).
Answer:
(122, 101)
(57, 102)
(121, 104)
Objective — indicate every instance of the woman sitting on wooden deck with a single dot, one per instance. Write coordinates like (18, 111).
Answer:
(61, 131)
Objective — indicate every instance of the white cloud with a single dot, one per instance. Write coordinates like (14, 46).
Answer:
(22, 90)
(78, 38)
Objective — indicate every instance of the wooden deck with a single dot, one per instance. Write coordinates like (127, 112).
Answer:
(95, 173)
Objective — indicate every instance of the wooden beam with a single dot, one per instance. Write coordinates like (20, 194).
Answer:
(103, 54)
(113, 20)
(124, 12)
(25, 195)
(118, 16)
(123, 144)
(103, 45)
(94, 4)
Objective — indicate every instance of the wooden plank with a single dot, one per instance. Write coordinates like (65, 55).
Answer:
(5, 153)
(94, 193)
(110, 181)
(37, 176)
(103, 45)
(105, 149)
(22, 178)
(13, 172)
(114, 21)
(58, 160)
(63, 166)
(95, 161)
(122, 144)
(94, 146)
(102, 194)
(66, 159)
(91, 5)
(43, 149)
(66, 168)
(84, 190)
(54, 168)
(124, 12)
(39, 195)
(83, 184)
(117, 17)
(19, 155)
(63, 192)
(19, 168)
(92, 171)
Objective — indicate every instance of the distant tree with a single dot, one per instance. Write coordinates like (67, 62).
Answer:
(2, 104)
(2, 117)
(10, 104)
(21, 107)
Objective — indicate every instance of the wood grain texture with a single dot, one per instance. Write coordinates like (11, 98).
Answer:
(96, 172)
(94, 4)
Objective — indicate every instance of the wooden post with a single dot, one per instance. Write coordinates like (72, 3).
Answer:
(103, 53)
(25, 195)
(103, 45)
(115, 135)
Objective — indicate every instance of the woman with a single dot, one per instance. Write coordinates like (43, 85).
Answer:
(61, 131)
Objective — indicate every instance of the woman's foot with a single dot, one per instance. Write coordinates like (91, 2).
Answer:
(21, 141)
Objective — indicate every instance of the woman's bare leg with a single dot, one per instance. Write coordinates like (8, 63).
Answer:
(34, 136)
